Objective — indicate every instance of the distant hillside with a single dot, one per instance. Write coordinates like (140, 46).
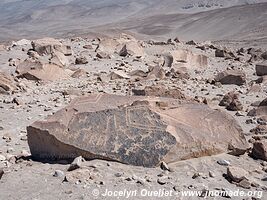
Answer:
(200, 19)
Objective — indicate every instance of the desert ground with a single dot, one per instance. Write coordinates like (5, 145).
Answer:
(133, 99)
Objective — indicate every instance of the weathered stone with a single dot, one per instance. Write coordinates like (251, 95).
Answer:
(261, 110)
(231, 102)
(35, 70)
(81, 61)
(88, 46)
(76, 164)
(223, 53)
(47, 46)
(118, 75)
(133, 130)
(261, 69)
(168, 60)
(78, 176)
(21, 42)
(259, 130)
(164, 166)
(1, 173)
(138, 73)
(264, 55)
(159, 91)
(188, 59)
(131, 48)
(259, 150)
(59, 173)
(7, 84)
(191, 42)
(156, 72)
(59, 59)
(79, 73)
(244, 184)
(235, 77)
(237, 174)
(102, 55)
(224, 162)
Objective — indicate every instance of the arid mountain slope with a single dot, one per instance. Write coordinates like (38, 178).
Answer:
(194, 19)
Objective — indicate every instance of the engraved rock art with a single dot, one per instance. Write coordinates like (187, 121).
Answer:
(134, 130)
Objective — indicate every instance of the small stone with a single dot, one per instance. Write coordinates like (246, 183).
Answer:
(24, 138)
(196, 175)
(237, 174)
(211, 174)
(244, 184)
(58, 173)
(81, 61)
(1, 173)
(162, 181)
(259, 150)
(164, 166)
(224, 162)
(119, 174)
(2, 158)
(76, 164)
(10, 150)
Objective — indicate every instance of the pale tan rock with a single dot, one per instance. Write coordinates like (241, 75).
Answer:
(36, 70)
(237, 174)
(7, 84)
(188, 59)
(46, 46)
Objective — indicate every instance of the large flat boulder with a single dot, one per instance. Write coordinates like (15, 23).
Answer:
(189, 59)
(231, 77)
(46, 46)
(38, 71)
(134, 130)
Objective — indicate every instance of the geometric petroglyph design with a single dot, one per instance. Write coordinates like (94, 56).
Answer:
(141, 117)
(91, 99)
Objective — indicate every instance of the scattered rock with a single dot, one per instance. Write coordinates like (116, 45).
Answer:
(164, 166)
(259, 130)
(223, 53)
(48, 46)
(237, 174)
(118, 75)
(264, 55)
(168, 60)
(261, 69)
(259, 150)
(224, 162)
(159, 91)
(81, 61)
(76, 164)
(235, 77)
(59, 173)
(188, 59)
(78, 176)
(261, 110)
(2, 158)
(79, 73)
(231, 102)
(7, 84)
(59, 59)
(36, 70)
(1, 173)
